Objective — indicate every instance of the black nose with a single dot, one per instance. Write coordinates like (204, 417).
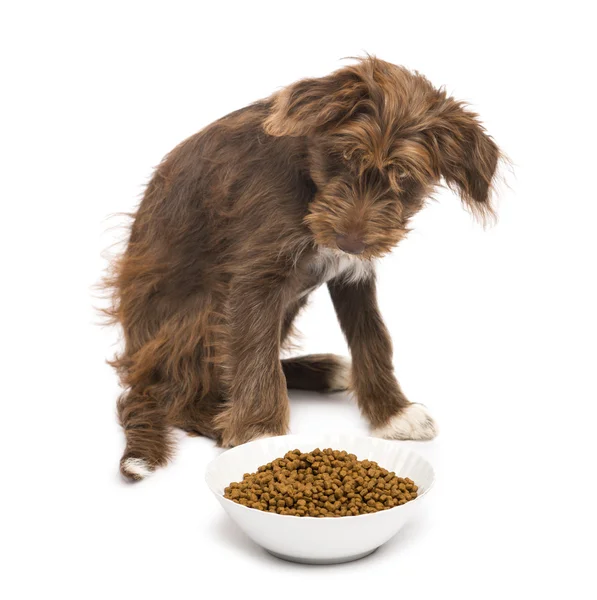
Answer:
(350, 243)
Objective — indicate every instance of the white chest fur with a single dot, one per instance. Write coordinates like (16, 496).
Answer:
(328, 264)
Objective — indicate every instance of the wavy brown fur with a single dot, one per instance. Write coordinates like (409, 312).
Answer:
(224, 249)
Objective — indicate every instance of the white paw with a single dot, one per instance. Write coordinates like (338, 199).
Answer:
(340, 379)
(413, 423)
(135, 468)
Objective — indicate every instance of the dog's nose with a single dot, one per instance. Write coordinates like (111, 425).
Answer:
(350, 243)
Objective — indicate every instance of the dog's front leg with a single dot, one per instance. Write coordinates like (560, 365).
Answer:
(378, 393)
(257, 400)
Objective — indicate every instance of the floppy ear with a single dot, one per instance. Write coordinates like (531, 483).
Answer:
(467, 156)
(315, 104)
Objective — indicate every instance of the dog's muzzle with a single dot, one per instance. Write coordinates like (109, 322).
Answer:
(350, 244)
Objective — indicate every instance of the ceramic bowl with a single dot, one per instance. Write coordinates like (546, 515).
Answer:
(319, 540)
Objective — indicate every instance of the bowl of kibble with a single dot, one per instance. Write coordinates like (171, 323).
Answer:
(320, 499)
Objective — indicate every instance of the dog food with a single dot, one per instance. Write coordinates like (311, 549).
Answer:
(321, 483)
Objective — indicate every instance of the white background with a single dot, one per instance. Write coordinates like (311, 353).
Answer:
(499, 341)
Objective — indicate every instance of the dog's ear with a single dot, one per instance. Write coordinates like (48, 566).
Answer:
(314, 105)
(467, 156)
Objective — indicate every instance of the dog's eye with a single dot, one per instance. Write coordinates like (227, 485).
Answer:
(397, 176)
(399, 172)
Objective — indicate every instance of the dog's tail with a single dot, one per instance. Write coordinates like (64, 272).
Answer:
(317, 372)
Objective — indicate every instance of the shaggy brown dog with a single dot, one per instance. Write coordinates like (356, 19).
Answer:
(242, 221)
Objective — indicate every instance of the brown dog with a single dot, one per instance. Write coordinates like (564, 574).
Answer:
(244, 219)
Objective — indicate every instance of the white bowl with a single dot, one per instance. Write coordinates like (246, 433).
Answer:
(312, 539)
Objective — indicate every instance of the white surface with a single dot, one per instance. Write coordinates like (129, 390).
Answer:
(494, 331)
(318, 540)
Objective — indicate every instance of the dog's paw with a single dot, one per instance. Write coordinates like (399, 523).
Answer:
(135, 469)
(412, 423)
(235, 427)
(229, 439)
(235, 433)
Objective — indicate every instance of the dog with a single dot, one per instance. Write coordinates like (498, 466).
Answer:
(243, 220)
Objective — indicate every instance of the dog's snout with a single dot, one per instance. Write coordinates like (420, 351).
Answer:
(350, 243)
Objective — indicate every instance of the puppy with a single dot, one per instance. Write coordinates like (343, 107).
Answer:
(242, 221)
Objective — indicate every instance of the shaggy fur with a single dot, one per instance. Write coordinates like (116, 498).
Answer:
(241, 221)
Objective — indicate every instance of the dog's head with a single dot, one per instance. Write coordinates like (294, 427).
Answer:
(380, 138)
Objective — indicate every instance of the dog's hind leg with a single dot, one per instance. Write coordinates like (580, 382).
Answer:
(148, 435)
(162, 369)
(317, 372)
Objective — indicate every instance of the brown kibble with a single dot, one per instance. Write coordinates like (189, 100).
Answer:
(321, 483)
